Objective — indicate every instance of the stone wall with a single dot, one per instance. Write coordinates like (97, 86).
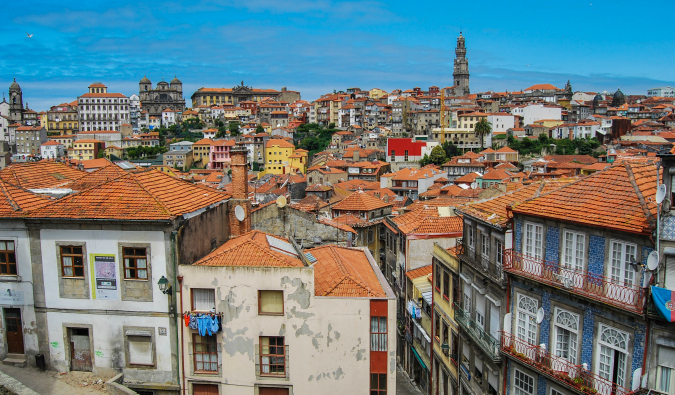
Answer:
(290, 222)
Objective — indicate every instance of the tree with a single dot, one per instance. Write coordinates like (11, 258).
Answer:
(101, 154)
(259, 129)
(482, 128)
(234, 129)
(450, 149)
(425, 160)
(437, 156)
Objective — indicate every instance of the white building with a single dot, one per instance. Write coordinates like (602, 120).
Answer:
(501, 122)
(536, 112)
(100, 110)
(168, 117)
(134, 112)
(51, 149)
(4, 121)
(665, 91)
(586, 129)
(292, 323)
(110, 137)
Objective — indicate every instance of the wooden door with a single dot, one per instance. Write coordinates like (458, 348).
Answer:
(14, 331)
(273, 391)
(205, 389)
(80, 351)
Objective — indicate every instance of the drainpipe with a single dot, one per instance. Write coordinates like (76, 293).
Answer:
(182, 343)
(173, 253)
(433, 317)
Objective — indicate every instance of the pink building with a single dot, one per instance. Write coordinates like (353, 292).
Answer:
(219, 156)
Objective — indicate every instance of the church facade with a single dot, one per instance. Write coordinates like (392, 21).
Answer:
(167, 95)
(238, 94)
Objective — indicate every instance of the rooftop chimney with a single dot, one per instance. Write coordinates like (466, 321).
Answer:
(239, 193)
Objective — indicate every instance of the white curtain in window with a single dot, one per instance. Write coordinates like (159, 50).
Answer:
(203, 299)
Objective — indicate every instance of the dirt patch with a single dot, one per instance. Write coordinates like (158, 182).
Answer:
(83, 380)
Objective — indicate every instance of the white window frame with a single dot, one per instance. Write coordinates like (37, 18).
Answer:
(622, 377)
(669, 380)
(519, 390)
(526, 327)
(534, 234)
(572, 328)
(619, 261)
(574, 250)
(485, 245)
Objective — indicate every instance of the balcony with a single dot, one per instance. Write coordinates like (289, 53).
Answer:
(482, 264)
(573, 377)
(593, 286)
(484, 340)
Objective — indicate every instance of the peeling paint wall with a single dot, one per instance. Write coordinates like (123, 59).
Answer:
(419, 250)
(328, 339)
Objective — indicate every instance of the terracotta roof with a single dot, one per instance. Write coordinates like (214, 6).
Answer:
(51, 142)
(344, 272)
(356, 184)
(419, 272)
(135, 195)
(427, 220)
(494, 210)
(497, 174)
(252, 249)
(281, 143)
(42, 174)
(103, 95)
(96, 177)
(467, 178)
(619, 198)
(408, 174)
(360, 201)
(16, 202)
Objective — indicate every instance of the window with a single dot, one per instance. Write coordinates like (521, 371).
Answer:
(534, 236)
(445, 332)
(378, 383)
(622, 254)
(613, 355)
(271, 302)
(203, 299)
(140, 350)
(7, 257)
(272, 356)
(499, 254)
(455, 289)
(665, 378)
(72, 261)
(523, 384)
(573, 253)
(437, 327)
(485, 245)
(446, 285)
(378, 333)
(566, 335)
(205, 352)
(526, 328)
(135, 263)
(471, 236)
(437, 277)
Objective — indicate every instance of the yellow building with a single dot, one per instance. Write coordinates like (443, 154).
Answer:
(114, 150)
(62, 119)
(376, 93)
(42, 116)
(200, 152)
(278, 156)
(549, 123)
(85, 149)
(298, 160)
(446, 331)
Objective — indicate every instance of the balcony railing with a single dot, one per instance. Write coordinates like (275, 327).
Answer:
(619, 294)
(482, 264)
(485, 341)
(574, 377)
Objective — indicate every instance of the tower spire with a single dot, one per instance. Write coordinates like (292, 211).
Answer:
(461, 69)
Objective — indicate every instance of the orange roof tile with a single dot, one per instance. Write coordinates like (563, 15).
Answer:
(252, 249)
(426, 220)
(360, 201)
(42, 174)
(355, 184)
(135, 195)
(16, 202)
(344, 272)
(281, 143)
(618, 198)
(419, 272)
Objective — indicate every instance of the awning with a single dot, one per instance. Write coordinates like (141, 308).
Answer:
(422, 331)
(664, 301)
(427, 297)
(419, 359)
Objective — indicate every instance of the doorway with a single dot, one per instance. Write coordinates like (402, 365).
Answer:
(14, 331)
(80, 351)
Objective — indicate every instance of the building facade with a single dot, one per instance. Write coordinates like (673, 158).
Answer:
(167, 95)
(100, 110)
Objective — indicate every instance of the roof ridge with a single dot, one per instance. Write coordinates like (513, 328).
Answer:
(641, 199)
(8, 195)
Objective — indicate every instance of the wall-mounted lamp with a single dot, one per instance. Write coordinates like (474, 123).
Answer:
(164, 286)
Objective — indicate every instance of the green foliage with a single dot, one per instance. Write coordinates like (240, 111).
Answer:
(482, 128)
(437, 156)
(145, 152)
(527, 146)
(259, 129)
(255, 166)
(234, 129)
(192, 123)
(313, 137)
(101, 154)
(425, 160)
(450, 149)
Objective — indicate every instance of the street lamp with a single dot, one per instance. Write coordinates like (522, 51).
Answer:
(164, 286)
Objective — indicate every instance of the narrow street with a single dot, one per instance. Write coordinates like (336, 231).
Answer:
(403, 384)
(53, 383)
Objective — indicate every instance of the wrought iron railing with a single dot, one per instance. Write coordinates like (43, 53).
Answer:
(483, 339)
(619, 294)
(557, 368)
(483, 264)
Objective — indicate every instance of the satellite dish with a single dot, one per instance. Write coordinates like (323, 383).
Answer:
(653, 260)
(239, 213)
(474, 185)
(660, 193)
(281, 201)
(540, 315)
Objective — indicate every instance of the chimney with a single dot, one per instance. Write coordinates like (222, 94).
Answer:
(357, 155)
(239, 198)
(386, 198)
(377, 195)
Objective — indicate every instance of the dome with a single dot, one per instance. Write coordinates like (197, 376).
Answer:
(145, 80)
(618, 95)
(619, 98)
(14, 86)
(175, 80)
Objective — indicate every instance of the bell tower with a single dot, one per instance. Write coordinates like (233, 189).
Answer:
(461, 70)
(15, 102)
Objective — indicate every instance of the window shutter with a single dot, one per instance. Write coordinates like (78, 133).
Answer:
(140, 350)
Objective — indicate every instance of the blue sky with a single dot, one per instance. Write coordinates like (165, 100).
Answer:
(318, 46)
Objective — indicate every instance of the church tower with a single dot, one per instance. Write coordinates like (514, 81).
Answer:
(15, 102)
(461, 71)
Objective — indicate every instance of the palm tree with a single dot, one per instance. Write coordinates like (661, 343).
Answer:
(482, 128)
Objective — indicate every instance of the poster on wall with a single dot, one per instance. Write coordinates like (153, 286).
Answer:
(105, 276)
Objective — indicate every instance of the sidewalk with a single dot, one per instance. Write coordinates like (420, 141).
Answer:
(50, 382)
(403, 384)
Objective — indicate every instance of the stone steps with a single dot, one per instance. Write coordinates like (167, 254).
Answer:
(18, 360)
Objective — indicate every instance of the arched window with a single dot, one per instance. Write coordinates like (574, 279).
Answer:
(613, 356)
(566, 326)
(526, 324)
